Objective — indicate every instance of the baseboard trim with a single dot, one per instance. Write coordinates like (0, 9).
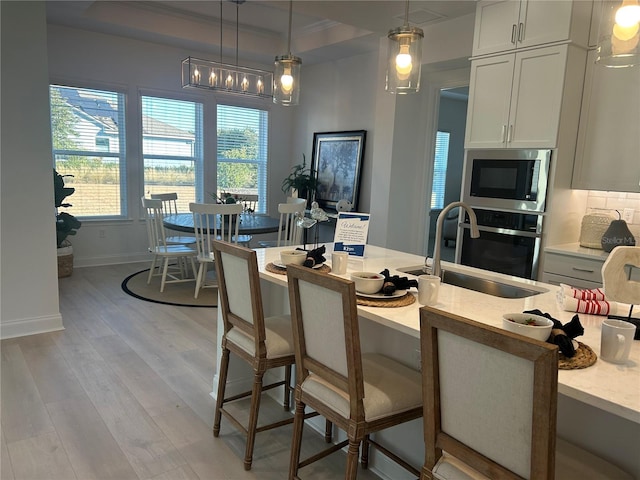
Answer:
(111, 260)
(30, 326)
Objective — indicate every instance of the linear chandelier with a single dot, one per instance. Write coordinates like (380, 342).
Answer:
(224, 77)
(619, 36)
(404, 59)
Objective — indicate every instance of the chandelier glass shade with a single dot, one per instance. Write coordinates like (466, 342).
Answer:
(208, 75)
(404, 59)
(286, 77)
(619, 34)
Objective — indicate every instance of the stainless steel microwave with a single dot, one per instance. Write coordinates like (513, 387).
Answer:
(506, 179)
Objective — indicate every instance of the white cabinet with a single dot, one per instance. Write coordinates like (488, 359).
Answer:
(581, 272)
(608, 150)
(509, 24)
(515, 99)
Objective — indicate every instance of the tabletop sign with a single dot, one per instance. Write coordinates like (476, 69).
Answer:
(351, 233)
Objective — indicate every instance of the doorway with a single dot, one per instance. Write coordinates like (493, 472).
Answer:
(446, 181)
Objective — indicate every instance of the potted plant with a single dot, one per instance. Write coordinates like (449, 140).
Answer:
(301, 181)
(66, 225)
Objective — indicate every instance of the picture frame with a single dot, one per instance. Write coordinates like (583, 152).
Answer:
(336, 164)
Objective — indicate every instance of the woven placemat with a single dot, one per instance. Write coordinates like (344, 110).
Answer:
(283, 271)
(584, 357)
(403, 301)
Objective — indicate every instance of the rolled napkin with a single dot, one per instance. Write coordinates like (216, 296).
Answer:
(593, 294)
(561, 335)
(396, 282)
(594, 307)
(571, 303)
(315, 256)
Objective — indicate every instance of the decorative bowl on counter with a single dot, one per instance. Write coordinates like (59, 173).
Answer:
(532, 326)
(296, 257)
(367, 282)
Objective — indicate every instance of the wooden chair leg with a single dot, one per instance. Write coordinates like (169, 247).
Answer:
(165, 269)
(352, 460)
(222, 385)
(153, 267)
(328, 431)
(298, 424)
(364, 458)
(256, 393)
(287, 388)
(202, 271)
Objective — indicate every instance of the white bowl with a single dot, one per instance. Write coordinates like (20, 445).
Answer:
(296, 257)
(532, 326)
(367, 282)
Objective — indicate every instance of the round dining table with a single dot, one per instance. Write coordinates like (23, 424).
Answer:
(250, 224)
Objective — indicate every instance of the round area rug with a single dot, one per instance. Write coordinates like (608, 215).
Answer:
(178, 294)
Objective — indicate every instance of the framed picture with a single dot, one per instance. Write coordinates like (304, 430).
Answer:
(336, 163)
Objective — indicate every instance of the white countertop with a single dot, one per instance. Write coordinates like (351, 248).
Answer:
(575, 250)
(613, 388)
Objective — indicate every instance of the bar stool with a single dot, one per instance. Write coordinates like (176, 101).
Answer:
(263, 343)
(361, 393)
(490, 399)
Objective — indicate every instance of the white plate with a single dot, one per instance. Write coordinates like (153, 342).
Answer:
(396, 294)
(282, 265)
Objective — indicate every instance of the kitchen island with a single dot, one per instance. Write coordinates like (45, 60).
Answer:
(598, 407)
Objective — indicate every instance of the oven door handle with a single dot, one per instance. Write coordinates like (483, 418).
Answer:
(504, 231)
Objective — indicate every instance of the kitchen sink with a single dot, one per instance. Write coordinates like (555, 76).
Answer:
(479, 284)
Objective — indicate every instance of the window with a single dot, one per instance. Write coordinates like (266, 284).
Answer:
(172, 148)
(87, 128)
(440, 169)
(242, 152)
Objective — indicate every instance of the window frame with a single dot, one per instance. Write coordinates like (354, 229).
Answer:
(123, 139)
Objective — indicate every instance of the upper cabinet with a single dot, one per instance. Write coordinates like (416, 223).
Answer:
(608, 150)
(505, 25)
(515, 99)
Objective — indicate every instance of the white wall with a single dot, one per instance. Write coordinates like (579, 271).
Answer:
(28, 265)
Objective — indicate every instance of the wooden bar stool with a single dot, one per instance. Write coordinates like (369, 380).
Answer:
(361, 393)
(490, 399)
(264, 343)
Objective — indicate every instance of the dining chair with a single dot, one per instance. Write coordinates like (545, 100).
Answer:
(162, 252)
(490, 402)
(250, 203)
(361, 393)
(289, 232)
(212, 221)
(262, 342)
(170, 207)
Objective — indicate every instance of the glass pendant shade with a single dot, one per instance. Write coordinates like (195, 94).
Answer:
(286, 80)
(619, 34)
(404, 60)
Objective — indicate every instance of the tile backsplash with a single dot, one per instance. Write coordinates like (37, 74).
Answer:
(609, 202)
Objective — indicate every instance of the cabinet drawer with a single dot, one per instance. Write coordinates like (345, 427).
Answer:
(554, 279)
(574, 267)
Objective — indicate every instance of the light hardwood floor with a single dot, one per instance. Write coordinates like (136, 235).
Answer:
(124, 393)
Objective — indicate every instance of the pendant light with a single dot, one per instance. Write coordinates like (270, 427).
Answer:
(223, 77)
(404, 60)
(286, 77)
(619, 35)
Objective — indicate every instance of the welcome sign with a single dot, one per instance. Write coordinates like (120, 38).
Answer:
(351, 233)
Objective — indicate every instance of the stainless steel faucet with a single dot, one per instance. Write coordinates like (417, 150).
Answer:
(475, 233)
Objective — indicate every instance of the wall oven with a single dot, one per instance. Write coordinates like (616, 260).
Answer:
(506, 179)
(509, 242)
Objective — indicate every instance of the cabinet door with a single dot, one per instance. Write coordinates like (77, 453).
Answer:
(489, 100)
(538, 81)
(607, 155)
(544, 21)
(496, 26)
